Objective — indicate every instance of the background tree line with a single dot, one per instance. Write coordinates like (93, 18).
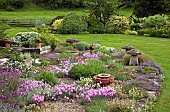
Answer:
(141, 8)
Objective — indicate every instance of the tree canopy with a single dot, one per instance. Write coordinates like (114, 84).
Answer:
(102, 9)
(145, 8)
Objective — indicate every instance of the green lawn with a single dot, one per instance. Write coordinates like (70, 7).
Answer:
(34, 12)
(44, 14)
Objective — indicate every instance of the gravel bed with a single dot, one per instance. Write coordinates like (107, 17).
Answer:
(64, 107)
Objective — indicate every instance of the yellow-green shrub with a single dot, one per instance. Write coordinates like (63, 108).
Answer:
(56, 24)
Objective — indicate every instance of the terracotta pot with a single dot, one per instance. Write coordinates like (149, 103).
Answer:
(8, 45)
(105, 82)
(105, 79)
(112, 79)
(7, 42)
(38, 45)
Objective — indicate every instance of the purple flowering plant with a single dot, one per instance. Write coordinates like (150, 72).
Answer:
(9, 82)
(34, 90)
(150, 67)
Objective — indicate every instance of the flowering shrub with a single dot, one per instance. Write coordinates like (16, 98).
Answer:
(57, 24)
(25, 39)
(117, 24)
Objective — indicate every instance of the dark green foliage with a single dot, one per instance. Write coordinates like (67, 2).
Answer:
(93, 67)
(102, 10)
(155, 26)
(54, 4)
(44, 63)
(154, 21)
(73, 24)
(126, 3)
(48, 77)
(82, 46)
(10, 5)
(79, 46)
(145, 8)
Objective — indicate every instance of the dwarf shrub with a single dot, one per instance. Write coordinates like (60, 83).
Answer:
(48, 77)
(93, 67)
(117, 24)
(72, 24)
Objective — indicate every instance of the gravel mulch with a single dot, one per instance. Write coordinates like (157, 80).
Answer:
(64, 107)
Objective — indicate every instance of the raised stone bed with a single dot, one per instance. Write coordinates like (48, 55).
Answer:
(42, 50)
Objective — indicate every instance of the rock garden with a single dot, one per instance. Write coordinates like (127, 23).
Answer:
(75, 76)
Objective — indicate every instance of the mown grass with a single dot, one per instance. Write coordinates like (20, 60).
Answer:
(32, 11)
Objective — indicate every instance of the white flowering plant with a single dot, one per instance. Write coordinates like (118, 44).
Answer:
(25, 39)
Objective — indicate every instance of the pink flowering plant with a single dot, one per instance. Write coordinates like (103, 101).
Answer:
(34, 91)
(93, 55)
(65, 65)
(73, 92)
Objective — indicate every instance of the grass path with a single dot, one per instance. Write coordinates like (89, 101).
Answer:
(158, 48)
